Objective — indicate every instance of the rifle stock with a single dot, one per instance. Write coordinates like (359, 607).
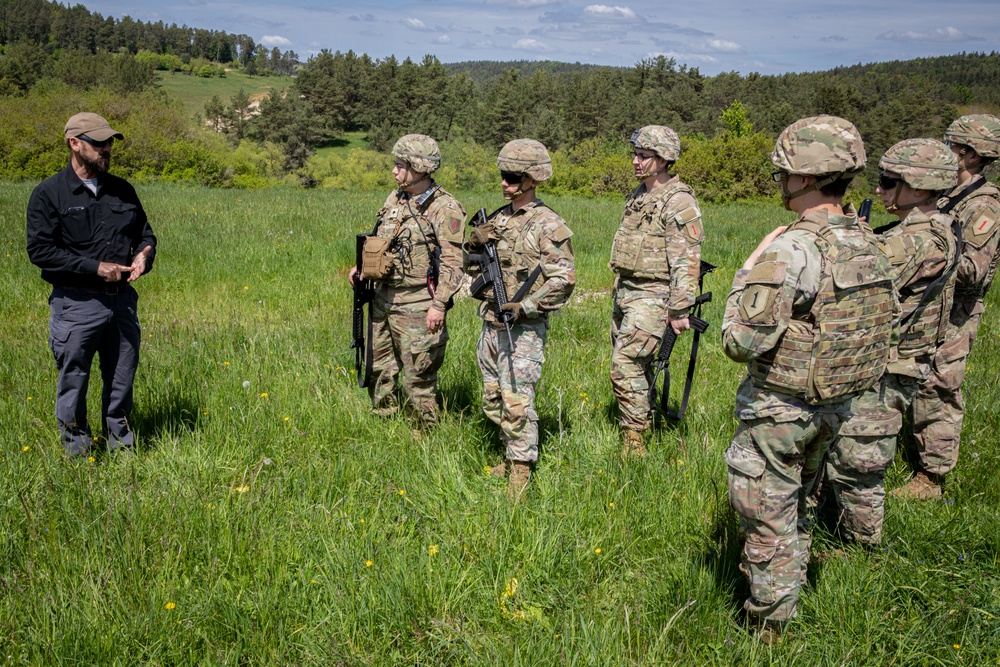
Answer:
(491, 276)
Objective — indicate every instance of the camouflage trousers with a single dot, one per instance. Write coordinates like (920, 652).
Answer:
(937, 406)
(636, 330)
(404, 353)
(773, 467)
(856, 464)
(509, 383)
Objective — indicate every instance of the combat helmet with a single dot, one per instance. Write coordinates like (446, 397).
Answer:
(420, 151)
(923, 164)
(526, 156)
(820, 146)
(980, 131)
(660, 139)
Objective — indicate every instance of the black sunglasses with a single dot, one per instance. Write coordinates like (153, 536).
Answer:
(887, 182)
(511, 177)
(777, 175)
(95, 143)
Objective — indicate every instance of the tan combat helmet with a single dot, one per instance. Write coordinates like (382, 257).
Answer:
(980, 132)
(420, 151)
(660, 139)
(923, 164)
(827, 147)
(526, 156)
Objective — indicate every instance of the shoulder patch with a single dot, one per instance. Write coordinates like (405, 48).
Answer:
(694, 231)
(757, 304)
(561, 233)
(982, 227)
(899, 249)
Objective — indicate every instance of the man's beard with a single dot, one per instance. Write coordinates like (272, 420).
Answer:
(97, 164)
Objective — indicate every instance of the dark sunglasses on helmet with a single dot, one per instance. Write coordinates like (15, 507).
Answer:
(95, 143)
(888, 182)
(512, 178)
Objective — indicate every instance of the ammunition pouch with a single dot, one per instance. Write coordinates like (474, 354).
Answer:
(376, 258)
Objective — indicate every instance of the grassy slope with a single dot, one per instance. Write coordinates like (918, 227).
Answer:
(283, 524)
(194, 91)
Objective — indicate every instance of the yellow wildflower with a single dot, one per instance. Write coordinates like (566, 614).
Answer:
(597, 551)
(25, 448)
(432, 549)
(368, 563)
(264, 395)
(91, 459)
(402, 493)
(169, 606)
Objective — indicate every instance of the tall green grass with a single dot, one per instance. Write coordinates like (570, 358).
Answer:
(278, 522)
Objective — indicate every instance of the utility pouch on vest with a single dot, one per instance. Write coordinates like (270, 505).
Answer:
(376, 260)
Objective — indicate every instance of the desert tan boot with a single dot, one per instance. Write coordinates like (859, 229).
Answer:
(923, 486)
(500, 470)
(518, 480)
(632, 443)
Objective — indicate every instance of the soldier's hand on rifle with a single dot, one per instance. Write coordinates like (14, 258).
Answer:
(480, 235)
(352, 275)
(515, 308)
(759, 250)
(435, 320)
(680, 324)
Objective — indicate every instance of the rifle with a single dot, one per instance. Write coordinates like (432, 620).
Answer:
(364, 292)
(662, 361)
(491, 276)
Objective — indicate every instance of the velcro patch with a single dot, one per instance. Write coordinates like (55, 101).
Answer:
(768, 271)
(899, 249)
(982, 229)
(561, 233)
(757, 304)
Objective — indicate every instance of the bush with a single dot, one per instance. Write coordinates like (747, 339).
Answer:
(728, 167)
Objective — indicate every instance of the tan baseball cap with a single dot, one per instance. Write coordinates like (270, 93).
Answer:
(92, 125)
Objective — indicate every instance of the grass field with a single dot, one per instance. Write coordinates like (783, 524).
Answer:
(278, 522)
(193, 91)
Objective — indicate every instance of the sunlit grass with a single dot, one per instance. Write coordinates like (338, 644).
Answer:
(278, 522)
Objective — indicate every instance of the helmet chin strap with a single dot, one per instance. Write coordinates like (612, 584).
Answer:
(787, 197)
(894, 205)
(643, 175)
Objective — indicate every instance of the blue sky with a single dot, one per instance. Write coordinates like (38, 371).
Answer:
(715, 36)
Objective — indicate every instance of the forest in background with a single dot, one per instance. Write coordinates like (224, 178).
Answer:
(55, 58)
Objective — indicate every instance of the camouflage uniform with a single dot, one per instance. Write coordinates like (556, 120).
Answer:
(534, 235)
(813, 320)
(655, 257)
(920, 249)
(938, 405)
(401, 344)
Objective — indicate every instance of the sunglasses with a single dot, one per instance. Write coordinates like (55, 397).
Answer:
(511, 177)
(777, 175)
(95, 143)
(887, 182)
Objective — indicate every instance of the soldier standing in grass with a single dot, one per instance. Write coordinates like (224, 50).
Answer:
(88, 233)
(422, 228)
(528, 235)
(811, 313)
(655, 257)
(975, 204)
(922, 249)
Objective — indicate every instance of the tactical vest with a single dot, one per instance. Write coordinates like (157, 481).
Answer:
(517, 258)
(922, 333)
(841, 346)
(640, 246)
(989, 191)
(412, 238)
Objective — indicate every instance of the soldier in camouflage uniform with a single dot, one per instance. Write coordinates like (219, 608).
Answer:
(655, 257)
(922, 250)
(811, 313)
(975, 204)
(421, 220)
(528, 234)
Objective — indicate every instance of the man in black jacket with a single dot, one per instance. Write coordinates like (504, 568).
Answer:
(88, 233)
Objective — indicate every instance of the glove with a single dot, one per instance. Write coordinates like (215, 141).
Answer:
(480, 235)
(515, 308)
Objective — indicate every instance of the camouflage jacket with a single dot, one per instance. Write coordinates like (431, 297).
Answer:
(657, 248)
(796, 262)
(978, 213)
(417, 225)
(920, 248)
(534, 235)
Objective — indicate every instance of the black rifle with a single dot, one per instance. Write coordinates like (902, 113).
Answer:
(490, 276)
(661, 364)
(364, 291)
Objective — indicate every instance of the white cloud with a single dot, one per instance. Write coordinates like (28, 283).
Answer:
(945, 34)
(685, 58)
(443, 39)
(275, 40)
(607, 12)
(480, 44)
(415, 24)
(528, 44)
(723, 46)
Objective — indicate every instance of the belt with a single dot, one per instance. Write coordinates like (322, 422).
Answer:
(109, 290)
